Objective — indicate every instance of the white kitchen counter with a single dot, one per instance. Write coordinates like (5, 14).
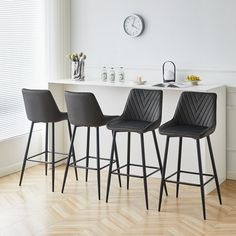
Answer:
(148, 85)
(112, 98)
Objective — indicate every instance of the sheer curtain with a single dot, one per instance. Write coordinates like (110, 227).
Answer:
(22, 60)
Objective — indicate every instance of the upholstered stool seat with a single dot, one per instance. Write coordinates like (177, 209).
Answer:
(108, 119)
(190, 131)
(136, 126)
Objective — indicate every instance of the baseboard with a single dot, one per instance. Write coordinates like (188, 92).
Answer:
(231, 175)
(17, 167)
(14, 168)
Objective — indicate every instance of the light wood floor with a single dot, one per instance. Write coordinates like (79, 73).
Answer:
(34, 210)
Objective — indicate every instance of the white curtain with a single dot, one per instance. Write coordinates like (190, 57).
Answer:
(57, 38)
(22, 60)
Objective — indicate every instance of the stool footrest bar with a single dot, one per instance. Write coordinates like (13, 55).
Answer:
(90, 168)
(47, 162)
(41, 153)
(60, 153)
(167, 179)
(92, 157)
(115, 172)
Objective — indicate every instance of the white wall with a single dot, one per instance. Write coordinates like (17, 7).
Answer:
(13, 150)
(198, 35)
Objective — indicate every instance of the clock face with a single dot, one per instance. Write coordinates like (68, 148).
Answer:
(133, 25)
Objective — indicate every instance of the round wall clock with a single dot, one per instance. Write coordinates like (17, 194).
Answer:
(133, 25)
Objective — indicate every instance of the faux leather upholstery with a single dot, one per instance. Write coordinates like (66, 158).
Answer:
(84, 110)
(40, 106)
(142, 112)
(195, 116)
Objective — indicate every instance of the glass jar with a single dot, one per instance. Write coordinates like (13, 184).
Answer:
(112, 75)
(104, 74)
(121, 74)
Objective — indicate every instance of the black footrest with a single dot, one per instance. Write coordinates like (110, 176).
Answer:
(91, 168)
(47, 162)
(156, 169)
(167, 179)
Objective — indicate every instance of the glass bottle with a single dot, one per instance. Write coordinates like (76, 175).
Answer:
(112, 75)
(104, 74)
(121, 75)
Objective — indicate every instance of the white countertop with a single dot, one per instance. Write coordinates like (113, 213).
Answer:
(200, 87)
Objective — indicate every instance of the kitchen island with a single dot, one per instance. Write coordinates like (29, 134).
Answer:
(112, 98)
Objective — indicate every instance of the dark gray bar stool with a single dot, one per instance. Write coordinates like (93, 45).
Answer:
(195, 117)
(142, 114)
(41, 108)
(84, 111)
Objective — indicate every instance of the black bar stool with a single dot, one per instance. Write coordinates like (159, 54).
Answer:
(84, 110)
(142, 113)
(195, 117)
(41, 108)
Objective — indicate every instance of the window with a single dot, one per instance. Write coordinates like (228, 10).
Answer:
(21, 60)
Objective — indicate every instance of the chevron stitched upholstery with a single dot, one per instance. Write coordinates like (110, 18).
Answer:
(142, 112)
(195, 116)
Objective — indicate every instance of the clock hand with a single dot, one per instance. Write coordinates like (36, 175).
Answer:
(133, 21)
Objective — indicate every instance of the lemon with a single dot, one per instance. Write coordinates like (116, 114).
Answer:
(193, 78)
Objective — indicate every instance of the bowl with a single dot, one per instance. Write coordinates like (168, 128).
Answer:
(140, 82)
(194, 83)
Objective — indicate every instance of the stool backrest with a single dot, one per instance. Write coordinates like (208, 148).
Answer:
(196, 108)
(144, 105)
(83, 109)
(40, 105)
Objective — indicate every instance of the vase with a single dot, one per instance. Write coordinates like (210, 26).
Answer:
(74, 70)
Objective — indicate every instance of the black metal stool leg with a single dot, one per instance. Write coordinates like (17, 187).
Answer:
(53, 156)
(69, 157)
(117, 164)
(73, 154)
(144, 170)
(87, 153)
(201, 178)
(163, 172)
(214, 169)
(179, 166)
(46, 150)
(158, 156)
(110, 166)
(128, 158)
(26, 153)
(98, 165)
